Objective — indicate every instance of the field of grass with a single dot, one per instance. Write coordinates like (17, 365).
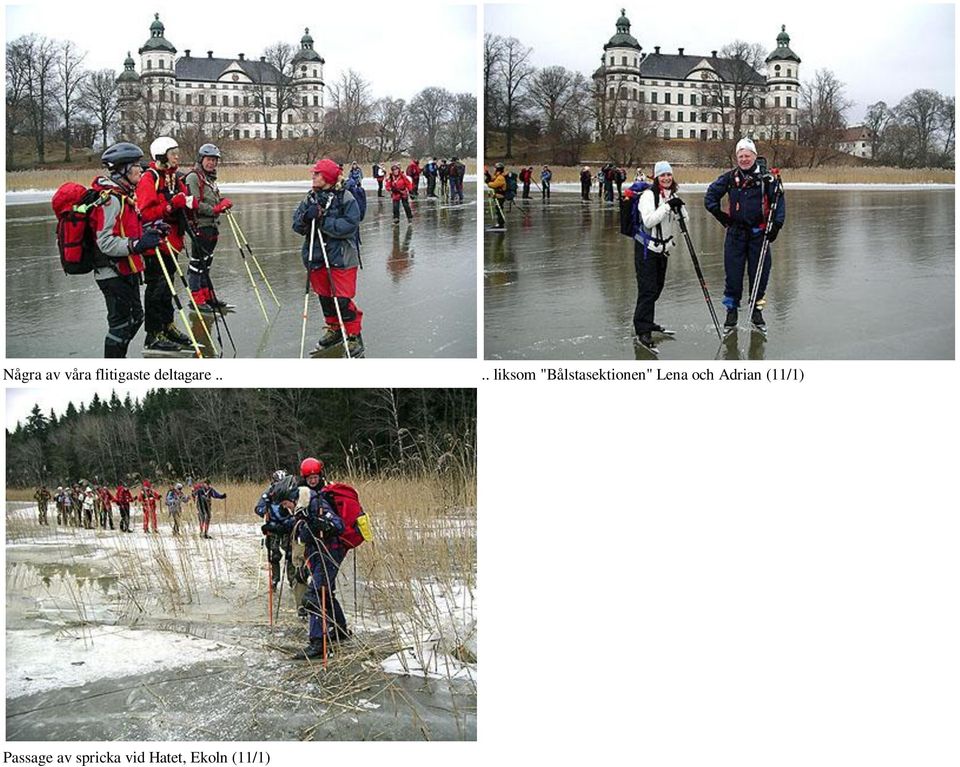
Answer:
(228, 174)
(822, 175)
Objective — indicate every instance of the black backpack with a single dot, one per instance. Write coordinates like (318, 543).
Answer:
(511, 190)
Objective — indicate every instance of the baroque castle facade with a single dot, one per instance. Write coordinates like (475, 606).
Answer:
(225, 98)
(686, 96)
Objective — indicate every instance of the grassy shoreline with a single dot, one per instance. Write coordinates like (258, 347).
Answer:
(822, 175)
(18, 181)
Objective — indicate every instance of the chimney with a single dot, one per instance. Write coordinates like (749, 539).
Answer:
(681, 51)
(713, 54)
(209, 54)
(263, 58)
(656, 49)
(241, 57)
(187, 52)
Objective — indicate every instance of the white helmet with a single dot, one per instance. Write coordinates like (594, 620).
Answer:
(160, 147)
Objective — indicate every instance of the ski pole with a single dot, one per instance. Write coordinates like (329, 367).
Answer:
(279, 599)
(269, 585)
(333, 291)
(243, 239)
(323, 617)
(765, 247)
(186, 287)
(500, 208)
(703, 283)
(306, 291)
(249, 273)
(176, 300)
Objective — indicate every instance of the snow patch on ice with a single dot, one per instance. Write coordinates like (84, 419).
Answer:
(38, 661)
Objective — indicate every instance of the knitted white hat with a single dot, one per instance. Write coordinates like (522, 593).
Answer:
(746, 143)
(661, 167)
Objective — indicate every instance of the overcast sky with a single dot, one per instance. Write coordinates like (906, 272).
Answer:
(882, 52)
(399, 48)
(21, 401)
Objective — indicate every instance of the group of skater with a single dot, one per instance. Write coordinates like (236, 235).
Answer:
(753, 215)
(505, 187)
(148, 210)
(90, 505)
(310, 524)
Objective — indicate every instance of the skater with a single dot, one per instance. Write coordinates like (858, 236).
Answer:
(619, 176)
(457, 171)
(148, 498)
(658, 209)
(356, 175)
(498, 188)
(413, 171)
(201, 183)
(58, 500)
(430, 171)
(329, 220)
(175, 500)
(318, 528)
(89, 507)
(586, 181)
(202, 494)
(609, 171)
(42, 497)
(751, 192)
(399, 187)
(545, 177)
(162, 197)
(106, 506)
(443, 173)
(124, 498)
(380, 175)
(123, 243)
(276, 528)
(526, 176)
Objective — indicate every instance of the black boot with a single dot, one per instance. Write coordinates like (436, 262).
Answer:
(646, 341)
(311, 651)
(757, 319)
(731, 321)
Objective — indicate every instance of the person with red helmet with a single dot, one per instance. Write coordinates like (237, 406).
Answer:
(328, 219)
(148, 498)
(414, 171)
(318, 529)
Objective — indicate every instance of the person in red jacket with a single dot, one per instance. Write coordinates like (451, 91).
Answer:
(148, 498)
(399, 187)
(413, 171)
(124, 498)
(162, 196)
(526, 176)
(106, 506)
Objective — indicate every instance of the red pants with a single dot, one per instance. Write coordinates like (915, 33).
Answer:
(148, 515)
(344, 288)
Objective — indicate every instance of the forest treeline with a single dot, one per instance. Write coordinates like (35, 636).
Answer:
(245, 434)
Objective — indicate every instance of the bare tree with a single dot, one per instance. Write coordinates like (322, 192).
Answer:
(948, 127)
(150, 111)
(70, 77)
(823, 105)
(734, 94)
(624, 126)
(99, 96)
(41, 67)
(877, 119)
(280, 57)
(920, 111)
(429, 108)
(514, 69)
(351, 110)
(551, 90)
(462, 127)
(17, 107)
(580, 120)
(492, 55)
(392, 120)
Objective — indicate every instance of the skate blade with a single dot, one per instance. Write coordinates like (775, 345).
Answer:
(156, 353)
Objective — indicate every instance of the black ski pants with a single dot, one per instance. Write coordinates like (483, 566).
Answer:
(157, 298)
(651, 274)
(124, 313)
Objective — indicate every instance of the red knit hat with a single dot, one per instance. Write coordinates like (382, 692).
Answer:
(328, 169)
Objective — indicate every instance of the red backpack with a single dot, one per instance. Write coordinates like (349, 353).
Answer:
(356, 523)
(76, 241)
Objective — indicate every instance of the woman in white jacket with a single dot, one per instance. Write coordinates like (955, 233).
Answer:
(659, 208)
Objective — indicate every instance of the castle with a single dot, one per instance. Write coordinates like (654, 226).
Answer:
(687, 96)
(224, 98)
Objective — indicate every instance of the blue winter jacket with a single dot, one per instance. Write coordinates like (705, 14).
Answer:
(338, 227)
(274, 514)
(745, 194)
(356, 174)
(311, 534)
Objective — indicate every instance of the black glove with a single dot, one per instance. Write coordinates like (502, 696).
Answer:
(773, 231)
(723, 217)
(161, 226)
(147, 241)
(312, 211)
(675, 204)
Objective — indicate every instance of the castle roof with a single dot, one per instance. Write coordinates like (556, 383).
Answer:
(210, 69)
(156, 41)
(782, 51)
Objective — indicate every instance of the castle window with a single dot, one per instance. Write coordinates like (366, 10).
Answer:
(679, 117)
(789, 72)
(149, 64)
(643, 97)
(789, 101)
(303, 101)
(188, 99)
(693, 99)
(316, 101)
(679, 98)
(666, 115)
(623, 61)
(666, 98)
(666, 133)
(236, 101)
(653, 97)
(776, 101)
(314, 72)
(777, 69)
(213, 99)
(653, 115)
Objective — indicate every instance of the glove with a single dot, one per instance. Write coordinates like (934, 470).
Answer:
(180, 201)
(312, 212)
(723, 217)
(161, 226)
(773, 231)
(220, 207)
(147, 241)
(675, 204)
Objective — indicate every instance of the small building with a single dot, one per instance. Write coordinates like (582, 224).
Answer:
(858, 141)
